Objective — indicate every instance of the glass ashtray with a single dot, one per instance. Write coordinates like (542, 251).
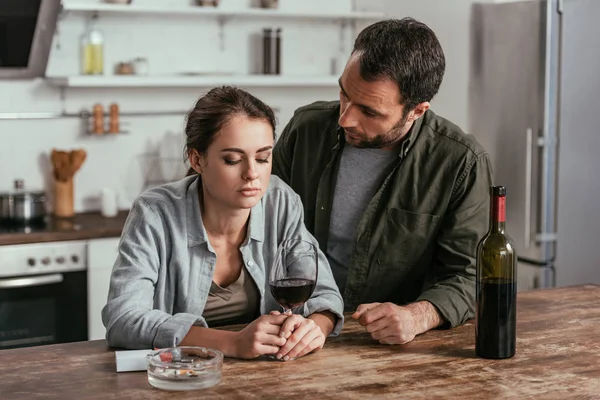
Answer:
(184, 368)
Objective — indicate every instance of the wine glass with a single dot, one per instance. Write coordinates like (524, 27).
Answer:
(293, 276)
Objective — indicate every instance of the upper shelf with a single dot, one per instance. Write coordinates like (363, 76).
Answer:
(216, 11)
(132, 81)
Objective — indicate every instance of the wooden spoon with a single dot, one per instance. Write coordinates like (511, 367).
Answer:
(76, 160)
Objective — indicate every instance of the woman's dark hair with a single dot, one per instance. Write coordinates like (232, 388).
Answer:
(214, 110)
(405, 51)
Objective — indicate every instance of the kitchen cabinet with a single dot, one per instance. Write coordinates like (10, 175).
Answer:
(101, 257)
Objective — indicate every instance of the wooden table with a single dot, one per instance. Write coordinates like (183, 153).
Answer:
(558, 356)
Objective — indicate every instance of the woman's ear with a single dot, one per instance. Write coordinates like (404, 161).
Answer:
(196, 160)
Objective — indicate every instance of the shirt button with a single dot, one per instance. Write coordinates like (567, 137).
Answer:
(250, 263)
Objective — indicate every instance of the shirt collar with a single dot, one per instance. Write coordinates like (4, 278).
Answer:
(196, 233)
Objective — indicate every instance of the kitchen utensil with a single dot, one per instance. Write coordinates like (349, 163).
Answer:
(64, 199)
(184, 368)
(65, 165)
(22, 207)
(98, 121)
(76, 160)
(113, 126)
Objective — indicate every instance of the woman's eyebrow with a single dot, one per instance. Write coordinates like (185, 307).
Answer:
(236, 150)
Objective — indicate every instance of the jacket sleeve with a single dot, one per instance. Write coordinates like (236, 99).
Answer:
(326, 296)
(129, 315)
(452, 289)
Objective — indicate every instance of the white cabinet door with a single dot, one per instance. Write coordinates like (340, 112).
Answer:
(101, 257)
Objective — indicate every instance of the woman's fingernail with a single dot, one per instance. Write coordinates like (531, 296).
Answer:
(286, 358)
(287, 335)
(282, 334)
(278, 356)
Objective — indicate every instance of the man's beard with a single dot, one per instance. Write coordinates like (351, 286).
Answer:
(362, 141)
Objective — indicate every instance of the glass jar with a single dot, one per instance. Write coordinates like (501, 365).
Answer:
(92, 51)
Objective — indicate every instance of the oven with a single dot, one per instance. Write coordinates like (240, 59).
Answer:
(43, 294)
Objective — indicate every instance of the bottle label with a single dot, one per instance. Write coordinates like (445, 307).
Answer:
(499, 209)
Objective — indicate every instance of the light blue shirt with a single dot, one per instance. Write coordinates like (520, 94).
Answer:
(162, 276)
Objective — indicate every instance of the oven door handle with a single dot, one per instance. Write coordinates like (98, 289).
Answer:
(30, 281)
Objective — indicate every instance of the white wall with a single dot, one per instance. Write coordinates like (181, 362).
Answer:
(176, 44)
(171, 44)
(450, 20)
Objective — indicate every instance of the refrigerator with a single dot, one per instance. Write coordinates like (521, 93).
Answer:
(534, 104)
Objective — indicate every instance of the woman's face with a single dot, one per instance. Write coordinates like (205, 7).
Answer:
(237, 165)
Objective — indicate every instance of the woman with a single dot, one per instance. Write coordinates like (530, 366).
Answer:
(196, 253)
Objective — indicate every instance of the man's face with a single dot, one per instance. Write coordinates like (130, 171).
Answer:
(370, 112)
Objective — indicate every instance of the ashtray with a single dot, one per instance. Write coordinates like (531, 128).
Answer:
(184, 368)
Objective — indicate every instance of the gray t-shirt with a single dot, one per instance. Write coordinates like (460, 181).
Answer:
(361, 172)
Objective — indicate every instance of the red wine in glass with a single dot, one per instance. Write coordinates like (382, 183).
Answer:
(292, 292)
(293, 275)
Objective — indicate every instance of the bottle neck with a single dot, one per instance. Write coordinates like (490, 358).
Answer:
(498, 214)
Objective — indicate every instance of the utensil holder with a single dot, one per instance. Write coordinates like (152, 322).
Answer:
(63, 198)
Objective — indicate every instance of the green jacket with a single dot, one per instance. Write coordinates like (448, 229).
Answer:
(418, 236)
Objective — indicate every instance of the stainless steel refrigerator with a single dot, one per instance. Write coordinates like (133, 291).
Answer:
(534, 104)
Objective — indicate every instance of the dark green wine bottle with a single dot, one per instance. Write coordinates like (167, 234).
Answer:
(496, 308)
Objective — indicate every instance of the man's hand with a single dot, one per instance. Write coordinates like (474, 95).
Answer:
(389, 323)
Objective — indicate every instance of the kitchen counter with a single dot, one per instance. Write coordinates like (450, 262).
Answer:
(81, 227)
(557, 357)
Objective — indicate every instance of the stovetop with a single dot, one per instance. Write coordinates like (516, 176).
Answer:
(82, 226)
(49, 224)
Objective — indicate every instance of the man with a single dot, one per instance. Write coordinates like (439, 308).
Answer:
(397, 196)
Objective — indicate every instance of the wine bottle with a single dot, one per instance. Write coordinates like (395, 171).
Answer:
(496, 308)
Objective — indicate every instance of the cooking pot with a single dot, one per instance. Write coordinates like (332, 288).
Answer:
(22, 207)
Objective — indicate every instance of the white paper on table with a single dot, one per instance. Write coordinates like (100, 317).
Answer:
(131, 360)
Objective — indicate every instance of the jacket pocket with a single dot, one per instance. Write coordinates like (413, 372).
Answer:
(406, 238)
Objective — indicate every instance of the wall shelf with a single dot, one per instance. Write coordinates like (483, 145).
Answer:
(248, 81)
(216, 11)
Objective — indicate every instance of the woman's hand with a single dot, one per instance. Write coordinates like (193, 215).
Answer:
(303, 336)
(260, 337)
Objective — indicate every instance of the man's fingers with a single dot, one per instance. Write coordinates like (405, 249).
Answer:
(361, 309)
(383, 333)
(378, 325)
(381, 311)
(389, 340)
